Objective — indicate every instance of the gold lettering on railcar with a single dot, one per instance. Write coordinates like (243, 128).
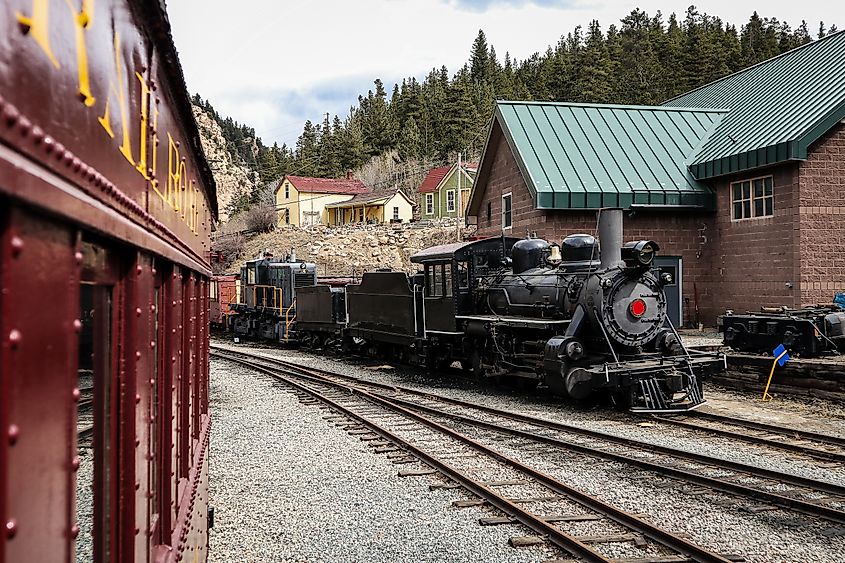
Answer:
(39, 29)
(118, 89)
(145, 99)
(179, 194)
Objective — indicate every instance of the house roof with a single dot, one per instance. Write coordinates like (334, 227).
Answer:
(587, 156)
(433, 179)
(436, 176)
(778, 108)
(326, 185)
(378, 197)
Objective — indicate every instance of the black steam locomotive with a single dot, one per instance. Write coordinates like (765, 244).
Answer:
(575, 317)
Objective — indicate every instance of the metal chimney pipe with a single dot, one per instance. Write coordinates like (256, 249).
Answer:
(610, 237)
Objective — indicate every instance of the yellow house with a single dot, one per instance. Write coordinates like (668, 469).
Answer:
(302, 201)
(384, 206)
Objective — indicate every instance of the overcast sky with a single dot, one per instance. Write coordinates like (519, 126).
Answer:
(272, 64)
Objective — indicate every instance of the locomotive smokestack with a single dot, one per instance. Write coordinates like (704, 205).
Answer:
(610, 237)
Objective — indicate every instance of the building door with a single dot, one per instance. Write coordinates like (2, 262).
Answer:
(674, 292)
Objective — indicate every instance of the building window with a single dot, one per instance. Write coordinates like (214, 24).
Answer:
(507, 215)
(395, 213)
(287, 191)
(751, 199)
(287, 216)
(429, 204)
(450, 201)
(361, 215)
(489, 212)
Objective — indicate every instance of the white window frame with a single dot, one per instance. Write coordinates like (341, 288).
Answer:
(395, 212)
(450, 201)
(287, 215)
(287, 191)
(429, 204)
(752, 198)
(508, 196)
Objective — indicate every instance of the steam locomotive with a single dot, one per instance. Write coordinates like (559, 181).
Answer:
(583, 317)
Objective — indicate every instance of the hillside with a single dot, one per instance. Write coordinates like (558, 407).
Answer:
(233, 178)
(343, 251)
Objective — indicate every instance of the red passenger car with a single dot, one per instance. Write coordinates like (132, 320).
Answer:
(106, 208)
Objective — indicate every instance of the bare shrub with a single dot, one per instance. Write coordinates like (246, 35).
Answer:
(226, 250)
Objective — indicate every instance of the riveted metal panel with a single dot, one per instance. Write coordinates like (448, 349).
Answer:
(96, 73)
(38, 348)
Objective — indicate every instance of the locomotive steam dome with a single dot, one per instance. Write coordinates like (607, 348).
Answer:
(529, 253)
(580, 251)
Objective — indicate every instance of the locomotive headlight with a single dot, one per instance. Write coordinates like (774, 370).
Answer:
(639, 254)
(637, 308)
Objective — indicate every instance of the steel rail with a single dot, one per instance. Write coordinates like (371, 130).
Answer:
(763, 426)
(561, 539)
(750, 438)
(723, 485)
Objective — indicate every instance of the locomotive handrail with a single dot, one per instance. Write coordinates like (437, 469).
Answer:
(289, 321)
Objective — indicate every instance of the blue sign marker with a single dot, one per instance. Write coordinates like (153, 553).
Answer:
(781, 355)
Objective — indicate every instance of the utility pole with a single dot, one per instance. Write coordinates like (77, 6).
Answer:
(458, 199)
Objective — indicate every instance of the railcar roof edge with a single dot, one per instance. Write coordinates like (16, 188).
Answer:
(154, 16)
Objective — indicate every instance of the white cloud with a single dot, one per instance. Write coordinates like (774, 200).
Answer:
(275, 63)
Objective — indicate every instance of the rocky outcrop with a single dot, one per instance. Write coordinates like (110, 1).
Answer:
(231, 177)
(342, 251)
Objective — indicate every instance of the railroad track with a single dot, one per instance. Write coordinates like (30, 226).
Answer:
(812, 444)
(773, 488)
(408, 436)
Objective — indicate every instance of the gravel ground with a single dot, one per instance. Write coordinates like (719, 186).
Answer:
(603, 418)
(289, 486)
(85, 504)
(713, 520)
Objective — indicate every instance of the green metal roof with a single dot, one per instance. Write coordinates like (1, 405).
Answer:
(778, 108)
(586, 156)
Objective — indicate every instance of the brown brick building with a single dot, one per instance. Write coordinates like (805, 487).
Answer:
(747, 201)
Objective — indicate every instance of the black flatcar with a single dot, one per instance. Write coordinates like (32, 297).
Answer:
(808, 332)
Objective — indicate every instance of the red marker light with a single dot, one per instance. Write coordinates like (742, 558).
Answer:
(637, 308)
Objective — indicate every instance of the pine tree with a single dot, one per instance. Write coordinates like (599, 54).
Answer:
(595, 69)
(480, 59)
(409, 141)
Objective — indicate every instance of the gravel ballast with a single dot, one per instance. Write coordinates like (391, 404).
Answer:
(287, 485)
(711, 519)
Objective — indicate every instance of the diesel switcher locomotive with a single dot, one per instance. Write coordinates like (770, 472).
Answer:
(583, 317)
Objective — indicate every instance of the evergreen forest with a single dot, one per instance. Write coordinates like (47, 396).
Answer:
(645, 59)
